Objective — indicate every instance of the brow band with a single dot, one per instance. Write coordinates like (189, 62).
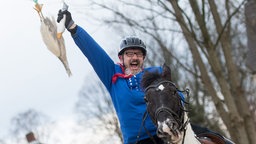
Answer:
(158, 84)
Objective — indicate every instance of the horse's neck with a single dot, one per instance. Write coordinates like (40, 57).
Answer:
(189, 134)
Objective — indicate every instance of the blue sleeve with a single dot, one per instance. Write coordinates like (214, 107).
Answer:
(98, 58)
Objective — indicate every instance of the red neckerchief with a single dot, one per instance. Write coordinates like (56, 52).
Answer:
(120, 75)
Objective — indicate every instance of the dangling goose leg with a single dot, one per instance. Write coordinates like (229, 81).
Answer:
(38, 8)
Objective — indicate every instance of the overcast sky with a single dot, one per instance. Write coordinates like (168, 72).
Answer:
(31, 76)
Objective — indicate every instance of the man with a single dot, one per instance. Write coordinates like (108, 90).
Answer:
(121, 80)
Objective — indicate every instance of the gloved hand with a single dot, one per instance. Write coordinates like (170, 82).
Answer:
(69, 21)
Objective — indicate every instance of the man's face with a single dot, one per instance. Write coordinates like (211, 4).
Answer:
(133, 60)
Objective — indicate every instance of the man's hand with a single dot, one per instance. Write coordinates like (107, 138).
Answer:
(69, 21)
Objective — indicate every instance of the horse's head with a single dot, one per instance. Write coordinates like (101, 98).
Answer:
(164, 104)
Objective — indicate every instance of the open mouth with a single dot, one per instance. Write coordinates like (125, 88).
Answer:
(134, 65)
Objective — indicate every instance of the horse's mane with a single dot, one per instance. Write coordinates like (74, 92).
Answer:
(149, 78)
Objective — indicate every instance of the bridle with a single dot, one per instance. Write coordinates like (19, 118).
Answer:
(159, 87)
(180, 120)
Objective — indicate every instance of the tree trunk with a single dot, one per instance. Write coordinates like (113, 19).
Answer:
(236, 120)
(250, 15)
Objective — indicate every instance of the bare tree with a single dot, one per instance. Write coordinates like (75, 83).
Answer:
(250, 14)
(96, 110)
(233, 108)
(29, 121)
(206, 40)
(26, 121)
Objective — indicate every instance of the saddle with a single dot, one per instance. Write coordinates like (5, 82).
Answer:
(206, 136)
(210, 138)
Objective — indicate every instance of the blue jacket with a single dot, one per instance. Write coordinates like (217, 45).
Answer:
(126, 94)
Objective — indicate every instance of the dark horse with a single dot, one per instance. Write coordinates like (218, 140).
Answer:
(167, 110)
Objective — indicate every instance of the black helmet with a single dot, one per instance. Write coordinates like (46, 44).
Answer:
(132, 42)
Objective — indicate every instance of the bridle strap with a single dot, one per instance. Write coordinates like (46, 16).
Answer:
(164, 109)
(143, 125)
(183, 122)
(171, 112)
(156, 85)
(184, 135)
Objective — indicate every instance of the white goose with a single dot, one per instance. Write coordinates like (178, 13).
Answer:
(49, 34)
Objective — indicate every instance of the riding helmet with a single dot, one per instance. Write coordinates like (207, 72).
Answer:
(132, 42)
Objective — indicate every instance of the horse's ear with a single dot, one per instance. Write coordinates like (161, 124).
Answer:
(149, 77)
(166, 72)
(146, 79)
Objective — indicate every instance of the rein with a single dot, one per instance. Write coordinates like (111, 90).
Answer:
(142, 125)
